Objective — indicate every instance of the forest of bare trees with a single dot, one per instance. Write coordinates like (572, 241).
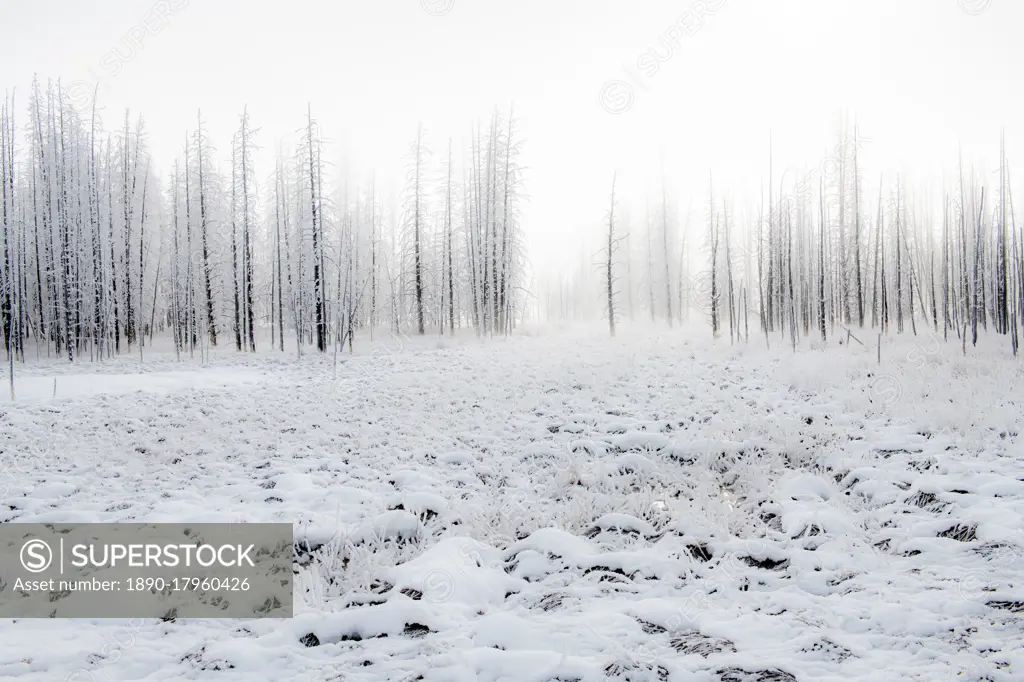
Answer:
(102, 253)
(820, 256)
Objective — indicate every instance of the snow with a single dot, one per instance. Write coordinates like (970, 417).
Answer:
(34, 389)
(456, 572)
(551, 506)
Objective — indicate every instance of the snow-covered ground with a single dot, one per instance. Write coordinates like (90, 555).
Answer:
(553, 507)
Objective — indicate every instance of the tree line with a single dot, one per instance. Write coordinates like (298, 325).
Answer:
(102, 254)
(820, 256)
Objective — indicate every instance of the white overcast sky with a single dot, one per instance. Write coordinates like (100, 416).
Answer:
(921, 76)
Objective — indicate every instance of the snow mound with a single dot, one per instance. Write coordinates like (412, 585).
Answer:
(456, 571)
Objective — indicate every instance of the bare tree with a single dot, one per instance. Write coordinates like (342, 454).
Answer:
(609, 275)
